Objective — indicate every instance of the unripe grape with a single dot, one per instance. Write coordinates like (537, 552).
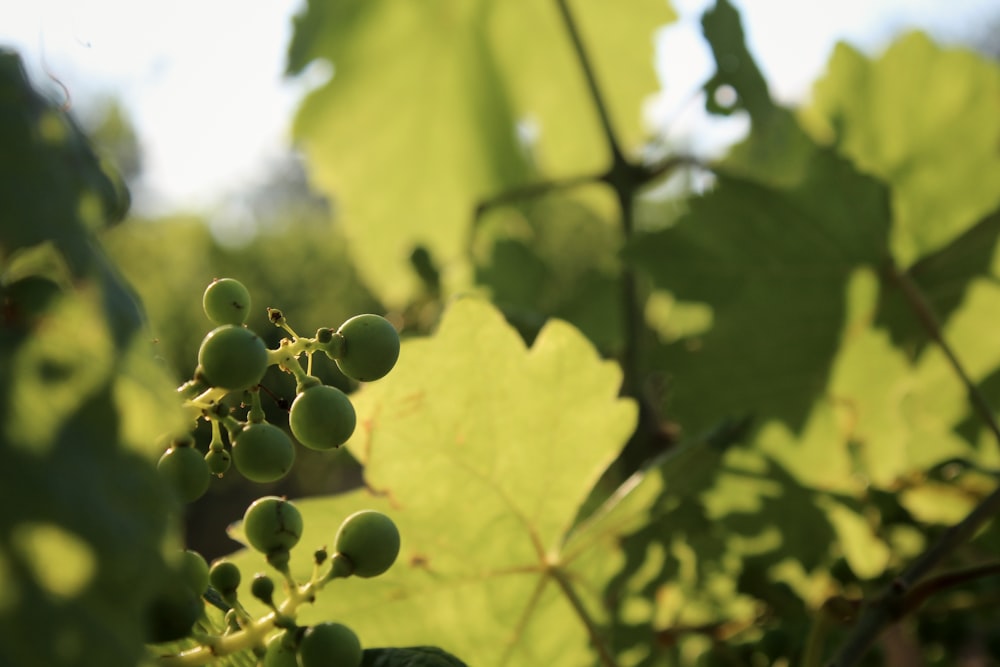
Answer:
(218, 461)
(171, 615)
(370, 541)
(281, 650)
(272, 524)
(186, 472)
(370, 347)
(327, 644)
(233, 357)
(262, 588)
(225, 577)
(322, 417)
(194, 569)
(226, 301)
(263, 452)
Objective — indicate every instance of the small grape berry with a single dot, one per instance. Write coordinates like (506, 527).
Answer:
(263, 452)
(171, 614)
(262, 588)
(186, 472)
(218, 461)
(370, 541)
(281, 650)
(326, 644)
(194, 569)
(226, 301)
(370, 347)
(232, 357)
(322, 417)
(272, 524)
(225, 577)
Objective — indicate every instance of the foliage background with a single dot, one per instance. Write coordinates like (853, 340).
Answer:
(627, 427)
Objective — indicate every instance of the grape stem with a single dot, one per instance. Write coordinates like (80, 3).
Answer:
(256, 413)
(286, 356)
(252, 634)
(216, 445)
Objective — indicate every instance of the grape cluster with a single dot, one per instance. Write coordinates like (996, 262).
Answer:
(232, 360)
(366, 545)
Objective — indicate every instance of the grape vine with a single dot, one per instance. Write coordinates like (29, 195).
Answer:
(232, 360)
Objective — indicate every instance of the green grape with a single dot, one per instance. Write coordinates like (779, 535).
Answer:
(225, 577)
(233, 357)
(272, 524)
(281, 650)
(226, 301)
(262, 588)
(186, 472)
(326, 644)
(194, 569)
(171, 615)
(263, 452)
(322, 417)
(370, 541)
(218, 461)
(370, 347)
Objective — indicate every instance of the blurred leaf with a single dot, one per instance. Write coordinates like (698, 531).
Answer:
(923, 118)
(84, 521)
(957, 281)
(61, 205)
(773, 266)
(414, 656)
(553, 257)
(450, 83)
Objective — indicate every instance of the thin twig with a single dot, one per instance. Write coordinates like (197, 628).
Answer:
(925, 589)
(925, 314)
(533, 190)
(588, 72)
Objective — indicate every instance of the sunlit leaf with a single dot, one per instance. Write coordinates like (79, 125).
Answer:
(923, 118)
(451, 82)
(772, 264)
(521, 439)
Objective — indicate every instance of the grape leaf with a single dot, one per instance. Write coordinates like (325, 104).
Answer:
(937, 151)
(788, 258)
(553, 257)
(482, 451)
(83, 522)
(773, 266)
(414, 656)
(943, 277)
(450, 84)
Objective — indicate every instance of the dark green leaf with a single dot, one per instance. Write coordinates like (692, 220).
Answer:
(83, 515)
(414, 656)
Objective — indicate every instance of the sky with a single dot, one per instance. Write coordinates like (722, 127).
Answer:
(202, 80)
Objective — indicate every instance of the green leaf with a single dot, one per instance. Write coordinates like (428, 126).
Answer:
(923, 118)
(736, 67)
(450, 83)
(945, 278)
(553, 257)
(413, 656)
(482, 451)
(773, 265)
(83, 514)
